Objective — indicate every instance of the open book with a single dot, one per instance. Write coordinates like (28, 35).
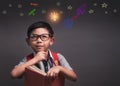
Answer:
(36, 77)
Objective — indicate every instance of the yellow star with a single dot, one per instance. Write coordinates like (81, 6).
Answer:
(95, 4)
(104, 5)
(91, 11)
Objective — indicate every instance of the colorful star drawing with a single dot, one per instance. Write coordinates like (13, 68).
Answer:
(74, 10)
(94, 4)
(104, 5)
(91, 11)
(69, 7)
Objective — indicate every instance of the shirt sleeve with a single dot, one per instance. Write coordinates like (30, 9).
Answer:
(64, 62)
(22, 61)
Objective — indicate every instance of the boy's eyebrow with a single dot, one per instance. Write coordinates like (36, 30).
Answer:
(34, 34)
(40, 34)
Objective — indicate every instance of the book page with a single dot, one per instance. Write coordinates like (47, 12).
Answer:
(34, 68)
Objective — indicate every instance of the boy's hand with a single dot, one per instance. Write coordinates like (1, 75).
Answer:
(54, 71)
(41, 56)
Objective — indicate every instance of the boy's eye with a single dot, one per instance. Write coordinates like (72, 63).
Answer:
(45, 36)
(33, 36)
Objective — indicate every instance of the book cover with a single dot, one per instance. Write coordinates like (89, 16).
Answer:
(36, 77)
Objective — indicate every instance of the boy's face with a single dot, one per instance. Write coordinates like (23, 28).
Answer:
(40, 40)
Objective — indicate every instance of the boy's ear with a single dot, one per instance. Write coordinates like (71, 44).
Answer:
(52, 40)
(27, 41)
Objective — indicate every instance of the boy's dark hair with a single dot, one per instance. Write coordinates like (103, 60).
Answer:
(40, 24)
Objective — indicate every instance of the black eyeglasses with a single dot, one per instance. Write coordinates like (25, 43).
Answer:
(43, 37)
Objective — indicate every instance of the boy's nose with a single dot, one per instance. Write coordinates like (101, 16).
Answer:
(39, 39)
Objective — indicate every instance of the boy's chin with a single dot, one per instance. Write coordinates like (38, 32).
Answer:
(39, 50)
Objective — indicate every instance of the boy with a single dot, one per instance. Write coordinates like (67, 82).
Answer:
(40, 38)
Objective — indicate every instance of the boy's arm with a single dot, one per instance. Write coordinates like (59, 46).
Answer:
(19, 70)
(65, 68)
(69, 74)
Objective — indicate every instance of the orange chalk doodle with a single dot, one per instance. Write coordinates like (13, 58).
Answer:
(34, 4)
